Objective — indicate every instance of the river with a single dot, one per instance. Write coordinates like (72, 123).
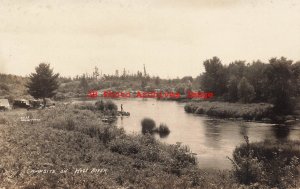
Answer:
(211, 139)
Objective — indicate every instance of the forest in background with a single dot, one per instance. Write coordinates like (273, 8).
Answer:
(276, 82)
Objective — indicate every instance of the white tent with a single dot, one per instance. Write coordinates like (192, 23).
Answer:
(4, 104)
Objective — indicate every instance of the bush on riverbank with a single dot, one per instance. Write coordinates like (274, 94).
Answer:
(148, 125)
(268, 163)
(163, 130)
(106, 107)
(254, 111)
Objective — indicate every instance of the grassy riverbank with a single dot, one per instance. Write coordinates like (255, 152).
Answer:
(268, 164)
(253, 111)
(71, 137)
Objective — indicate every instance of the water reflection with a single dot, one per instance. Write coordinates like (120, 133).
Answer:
(163, 135)
(211, 139)
(212, 133)
(281, 132)
(121, 120)
(243, 129)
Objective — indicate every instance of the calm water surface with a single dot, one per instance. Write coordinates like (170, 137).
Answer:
(211, 139)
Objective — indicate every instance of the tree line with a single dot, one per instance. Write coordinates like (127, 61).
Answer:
(277, 81)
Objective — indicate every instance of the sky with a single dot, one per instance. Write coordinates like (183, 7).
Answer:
(171, 37)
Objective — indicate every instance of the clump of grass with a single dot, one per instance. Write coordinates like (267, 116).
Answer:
(148, 125)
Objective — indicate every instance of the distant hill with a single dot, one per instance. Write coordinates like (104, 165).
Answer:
(12, 87)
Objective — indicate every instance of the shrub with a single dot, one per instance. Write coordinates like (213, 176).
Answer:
(125, 146)
(110, 105)
(183, 154)
(150, 153)
(163, 130)
(199, 110)
(106, 105)
(182, 159)
(86, 106)
(148, 140)
(104, 134)
(247, 168)
(274, 164)
(107, 134)
(100, 105)
(148, 125)
(190, 108)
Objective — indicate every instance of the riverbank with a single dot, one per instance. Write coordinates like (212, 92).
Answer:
(268, 164)
(71, 147)
(250, 112)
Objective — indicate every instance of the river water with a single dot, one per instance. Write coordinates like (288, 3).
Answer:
(211, 139)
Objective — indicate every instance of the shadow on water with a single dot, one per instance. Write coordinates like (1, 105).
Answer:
(281, 132)
(163, 135)
(243, 130)
(213, 132)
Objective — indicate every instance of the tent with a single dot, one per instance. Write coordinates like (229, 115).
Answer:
(4, 104)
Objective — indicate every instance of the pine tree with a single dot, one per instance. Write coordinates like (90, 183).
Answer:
(96, 73)
(84, 84)
(44, 83)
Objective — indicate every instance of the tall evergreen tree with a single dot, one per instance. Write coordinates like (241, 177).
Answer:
(44, 83)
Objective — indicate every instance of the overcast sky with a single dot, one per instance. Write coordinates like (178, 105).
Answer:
(171, 37)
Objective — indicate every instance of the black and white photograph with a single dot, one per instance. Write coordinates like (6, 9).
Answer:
(149, 94)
